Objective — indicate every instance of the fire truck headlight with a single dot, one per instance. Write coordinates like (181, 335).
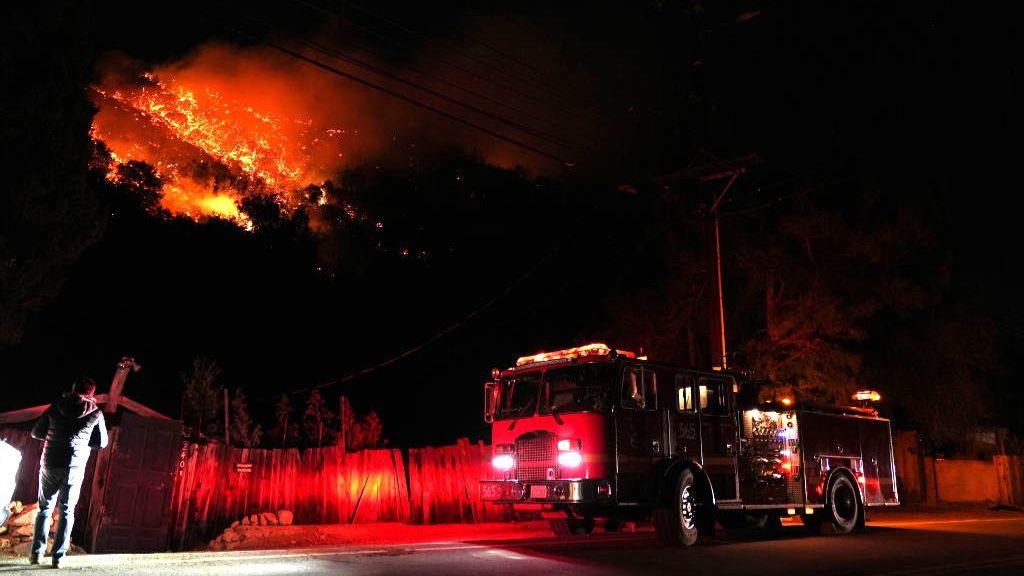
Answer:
(503, 462)
(569, 459)
(566, 445)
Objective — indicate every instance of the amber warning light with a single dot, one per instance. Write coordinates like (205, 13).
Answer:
(866, 396)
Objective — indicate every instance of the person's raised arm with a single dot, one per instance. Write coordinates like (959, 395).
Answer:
(99, 433)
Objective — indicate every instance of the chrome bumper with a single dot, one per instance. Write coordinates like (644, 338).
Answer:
(545, 491)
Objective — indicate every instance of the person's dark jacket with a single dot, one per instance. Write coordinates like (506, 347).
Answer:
(69, 429)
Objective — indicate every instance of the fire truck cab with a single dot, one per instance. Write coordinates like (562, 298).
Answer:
(594, 432)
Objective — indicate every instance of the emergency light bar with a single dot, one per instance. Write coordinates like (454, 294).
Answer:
(866, 396)
(596, 349)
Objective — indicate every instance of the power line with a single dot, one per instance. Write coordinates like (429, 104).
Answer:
(445, 82)
(328, 51)
(403, 97)
(580, 115)
(470, 56)
(771, 203)
(449, 329)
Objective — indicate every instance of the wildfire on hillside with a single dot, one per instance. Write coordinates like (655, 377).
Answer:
(213, 140)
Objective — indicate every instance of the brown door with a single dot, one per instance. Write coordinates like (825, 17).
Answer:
(136, 490)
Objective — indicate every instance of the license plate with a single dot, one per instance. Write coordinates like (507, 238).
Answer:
(538, 492)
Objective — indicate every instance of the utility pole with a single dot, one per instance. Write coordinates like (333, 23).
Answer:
(724, 358)
(728, 170)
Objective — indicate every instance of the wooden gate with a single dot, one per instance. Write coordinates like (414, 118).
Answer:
(133, 488)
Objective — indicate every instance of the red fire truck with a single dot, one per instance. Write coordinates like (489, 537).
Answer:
(594, 432)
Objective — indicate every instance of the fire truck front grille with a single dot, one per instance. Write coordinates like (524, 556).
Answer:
(535, 454)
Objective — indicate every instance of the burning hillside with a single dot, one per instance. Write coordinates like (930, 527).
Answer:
(226, 123)
(217, 130)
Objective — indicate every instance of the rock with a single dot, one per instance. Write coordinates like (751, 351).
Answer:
(268, 519)
(230, 536)
(27, 516)
(285, 517)
(254, 520)
(236, 524)
(24, 530)
(15, 507)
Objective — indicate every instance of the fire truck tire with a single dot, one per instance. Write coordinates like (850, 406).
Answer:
(677, 521)
(844, 505)
(569, 527)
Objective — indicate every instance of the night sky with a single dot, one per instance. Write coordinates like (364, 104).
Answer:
(500, 263)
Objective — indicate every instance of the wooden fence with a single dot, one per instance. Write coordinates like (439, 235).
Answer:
(1010, 477)
(216, 485)
(443, 485)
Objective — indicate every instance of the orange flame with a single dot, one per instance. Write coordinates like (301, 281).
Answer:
(210, 151)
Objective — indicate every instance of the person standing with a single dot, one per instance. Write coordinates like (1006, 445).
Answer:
(69, 429)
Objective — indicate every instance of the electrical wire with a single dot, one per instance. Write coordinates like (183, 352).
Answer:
(566, 109)
(450, 328)
(445, 82)
(328, 51)
(443, 113)
(468, 55)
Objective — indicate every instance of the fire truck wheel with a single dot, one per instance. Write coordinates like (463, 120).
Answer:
(843, 504)
(569, 527)
(676, 522)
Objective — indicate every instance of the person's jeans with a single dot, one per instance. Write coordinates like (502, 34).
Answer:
(60, 486)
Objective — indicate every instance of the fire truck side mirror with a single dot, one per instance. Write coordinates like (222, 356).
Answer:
(491, 392)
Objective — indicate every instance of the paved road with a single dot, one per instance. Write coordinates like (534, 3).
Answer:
(902, 544)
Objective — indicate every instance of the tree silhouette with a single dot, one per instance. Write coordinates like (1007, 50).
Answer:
(244, 432)
(201, 399)
(285, 431)
(51, 203)
(318, 421)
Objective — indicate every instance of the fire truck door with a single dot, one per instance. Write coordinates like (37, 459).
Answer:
(638, 434)
(684, 425)
(718, 435)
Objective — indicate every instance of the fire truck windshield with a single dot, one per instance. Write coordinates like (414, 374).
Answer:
(580, 388)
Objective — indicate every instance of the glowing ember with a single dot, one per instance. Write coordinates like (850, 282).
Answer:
(210, 151)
